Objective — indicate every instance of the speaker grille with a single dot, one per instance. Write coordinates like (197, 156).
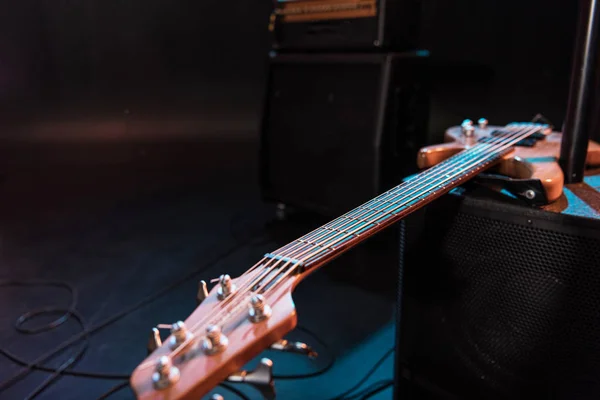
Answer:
(506, 309)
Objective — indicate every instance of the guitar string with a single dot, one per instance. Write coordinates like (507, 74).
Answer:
(270, 268)
(486, 149)
(301, 261)
(340, 222)
(332, 234)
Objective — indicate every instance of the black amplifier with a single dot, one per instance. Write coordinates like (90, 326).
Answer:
(389, 25)
(499, 300)
(338, 129)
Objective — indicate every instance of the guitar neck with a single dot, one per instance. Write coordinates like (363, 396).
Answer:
(336, 237)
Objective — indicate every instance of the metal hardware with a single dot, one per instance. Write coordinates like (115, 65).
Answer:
(217, 396)
(154, 342)
(226, 287)
(483, 123)
(202, 292)
(179, 334)
(530, 194)
(294, 347)
(467, 128)
(259, 310)
(166, 374)
(261, 378)
(531, 191)
(214, 342)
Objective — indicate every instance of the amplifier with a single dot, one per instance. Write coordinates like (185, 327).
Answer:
(338, 129)
(499, 300)
(391, 25)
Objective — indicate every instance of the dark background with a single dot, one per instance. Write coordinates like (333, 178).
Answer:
(203, 63)
(129, 143)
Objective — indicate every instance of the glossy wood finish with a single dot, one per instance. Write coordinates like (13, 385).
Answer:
(538, 162)
(200, 373)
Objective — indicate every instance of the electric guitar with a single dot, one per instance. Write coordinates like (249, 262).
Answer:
(240, 317)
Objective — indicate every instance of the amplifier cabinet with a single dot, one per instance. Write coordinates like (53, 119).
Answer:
(356, 25)
(501, 301)
(339, 129)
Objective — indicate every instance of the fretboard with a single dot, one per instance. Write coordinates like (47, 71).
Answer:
(339, 235)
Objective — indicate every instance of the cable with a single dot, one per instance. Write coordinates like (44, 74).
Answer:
(86, 331)
(366, 377)
(113, 390)
(381, 387)
(234, 390)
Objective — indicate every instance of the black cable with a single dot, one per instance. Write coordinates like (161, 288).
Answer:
(378, 389)
(86, 332)
(366, 377)
(234, 390)
(113, 390)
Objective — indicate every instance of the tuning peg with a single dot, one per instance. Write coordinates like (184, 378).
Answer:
(294, 347)
(261, 378)
(154, 342)
(179, 334)
(165, 374)
(467, 127)
(259, 310)
(226, 287)
(202, 292)
(214, 342)
(483, 123)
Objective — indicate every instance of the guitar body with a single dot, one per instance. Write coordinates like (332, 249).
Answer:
(241, 317)
(539, 162)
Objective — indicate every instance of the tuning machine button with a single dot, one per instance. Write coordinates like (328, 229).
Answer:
(202, 292)
(467, 128)
(261, 378)
(166, 374)
(179, 334)
(226, 287)
(483, 123)
(259, 310)
(214, 342)
(154, 342)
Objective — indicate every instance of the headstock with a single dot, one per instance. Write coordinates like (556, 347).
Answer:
(233, 323)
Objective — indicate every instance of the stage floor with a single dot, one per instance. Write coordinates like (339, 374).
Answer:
(121, 222)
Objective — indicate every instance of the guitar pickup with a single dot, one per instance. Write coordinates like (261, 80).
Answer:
(539, 135)
(527, 142)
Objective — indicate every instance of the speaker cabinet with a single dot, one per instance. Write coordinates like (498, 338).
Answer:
(501, 301)
(338, 129)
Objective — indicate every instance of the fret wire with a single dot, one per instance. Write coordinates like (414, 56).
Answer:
(329, 237)
(316, 256)
(410, 203)
(360, 210)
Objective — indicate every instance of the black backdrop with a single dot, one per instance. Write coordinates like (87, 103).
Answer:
(70, 59)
